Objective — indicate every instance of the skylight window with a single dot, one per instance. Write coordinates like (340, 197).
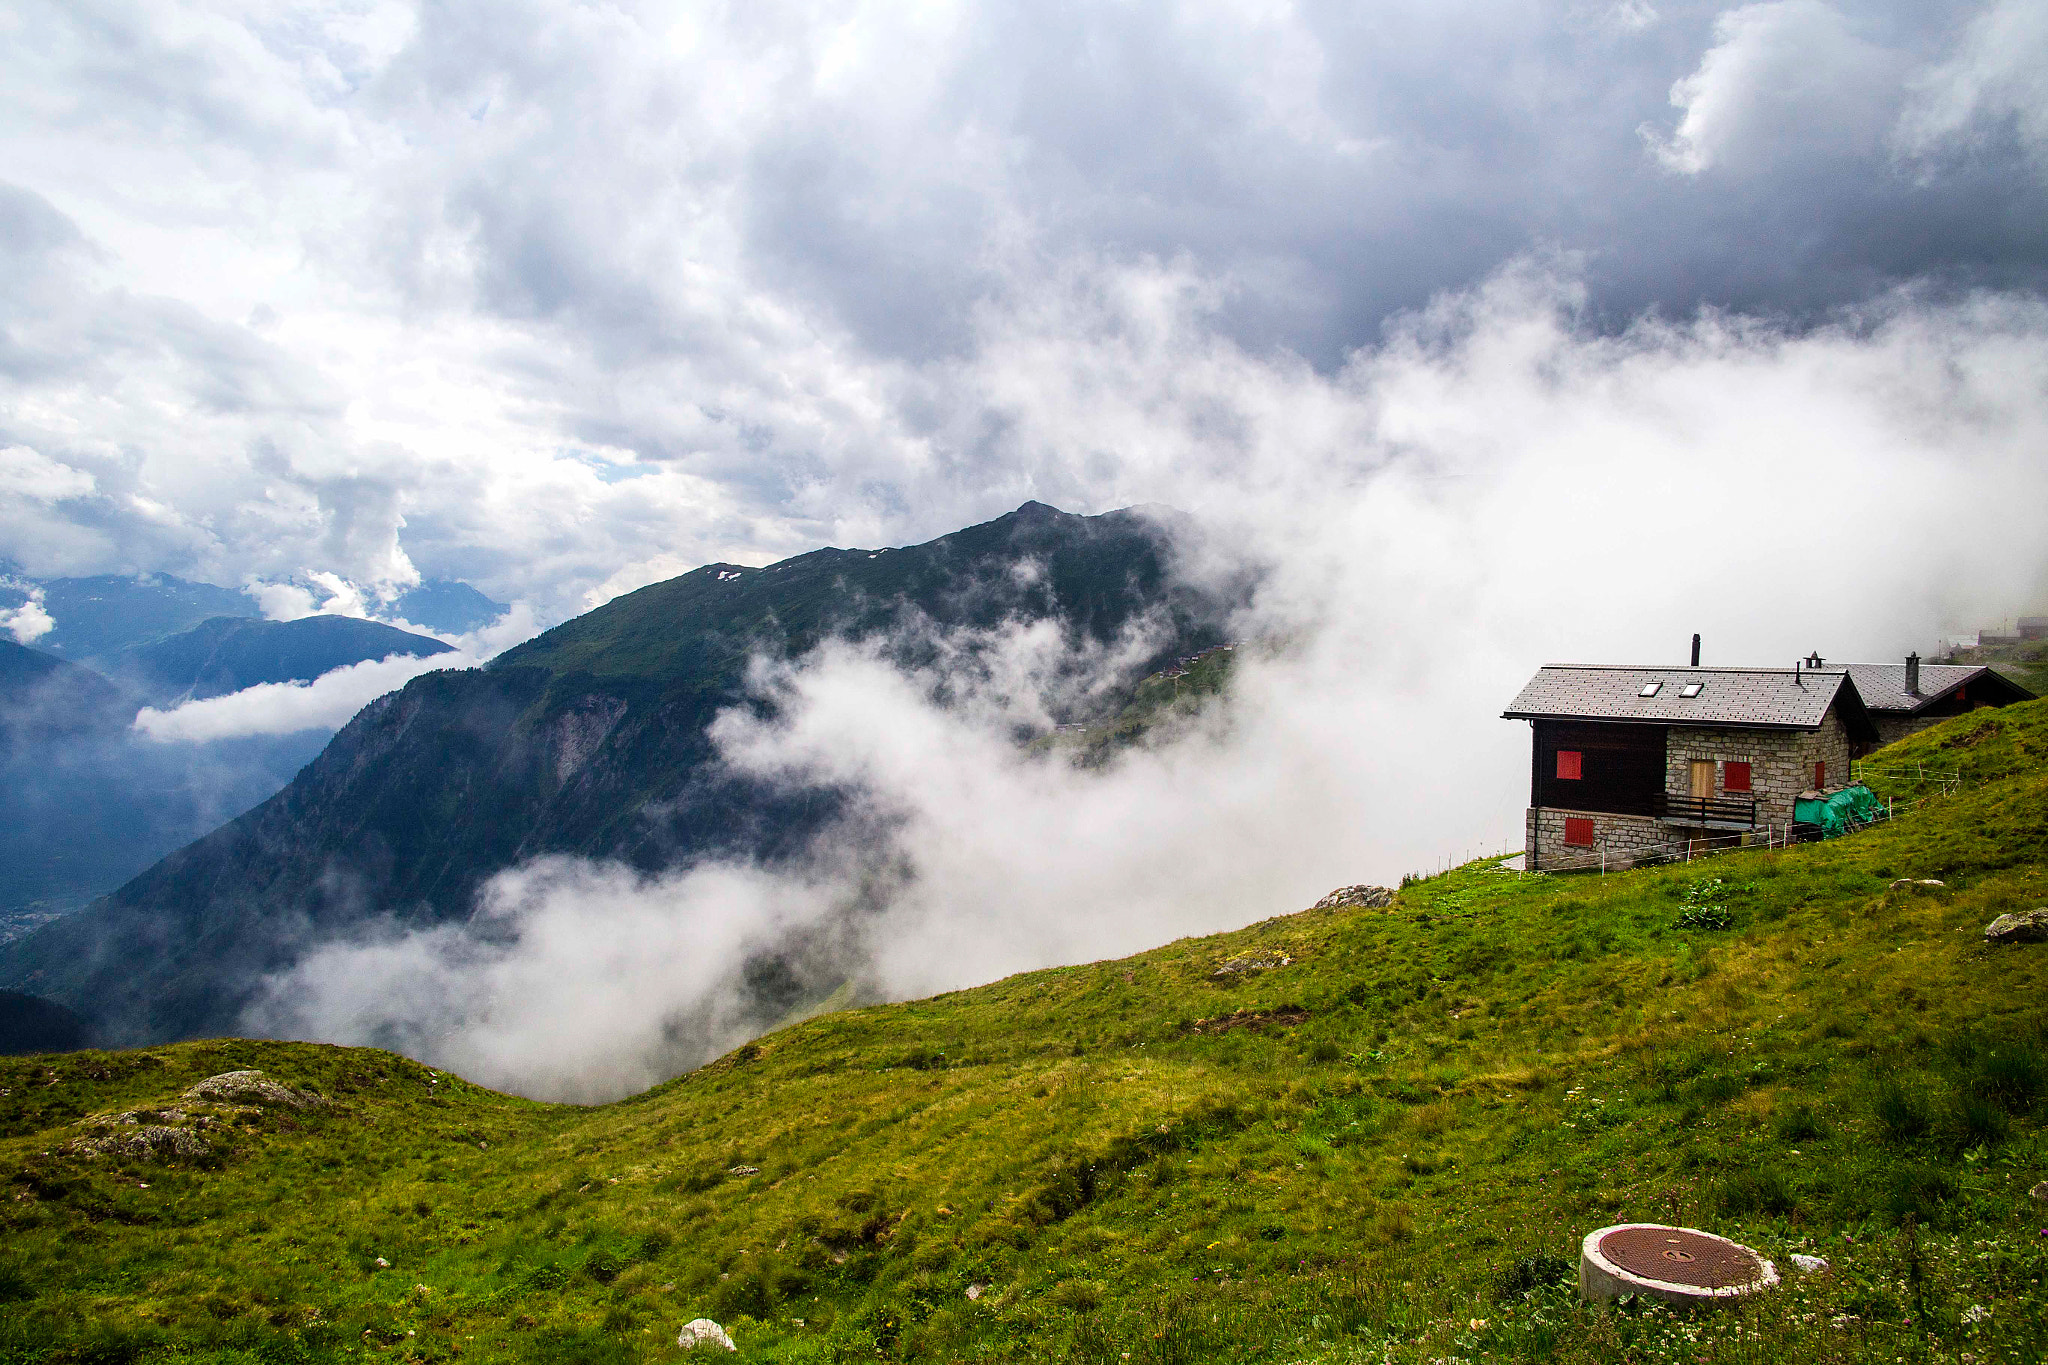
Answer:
(1650, 689)
(1690, 689)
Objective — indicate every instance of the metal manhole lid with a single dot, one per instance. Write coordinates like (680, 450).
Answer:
(1681, 1256)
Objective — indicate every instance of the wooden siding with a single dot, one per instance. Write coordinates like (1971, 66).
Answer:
(1622, 767)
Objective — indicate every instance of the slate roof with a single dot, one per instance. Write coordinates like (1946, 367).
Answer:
(1883, 686)
(1767, 698)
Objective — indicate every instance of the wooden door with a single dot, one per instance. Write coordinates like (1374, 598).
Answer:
(1702, 779)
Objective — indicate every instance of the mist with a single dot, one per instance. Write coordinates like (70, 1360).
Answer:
(328, 701)
(1491, 487)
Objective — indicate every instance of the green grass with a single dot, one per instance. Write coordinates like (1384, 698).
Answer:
(1386, 1150)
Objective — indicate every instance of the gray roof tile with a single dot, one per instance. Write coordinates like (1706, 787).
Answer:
(1883, 686)
(1771, 697)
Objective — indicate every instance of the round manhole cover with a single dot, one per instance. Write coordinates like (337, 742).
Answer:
(1676, 1265)
(1679, 1256)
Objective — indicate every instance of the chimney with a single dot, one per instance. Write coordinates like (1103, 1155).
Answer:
(1913, 674)
(1695, 649)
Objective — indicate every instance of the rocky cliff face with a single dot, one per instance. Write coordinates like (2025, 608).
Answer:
(589, 740)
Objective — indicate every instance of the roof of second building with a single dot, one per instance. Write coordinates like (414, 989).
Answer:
(1775, 698)
(1883, 686)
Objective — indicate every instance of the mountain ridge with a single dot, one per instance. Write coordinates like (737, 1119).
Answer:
(590, 740)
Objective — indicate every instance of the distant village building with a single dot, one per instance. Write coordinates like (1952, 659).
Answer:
(1632, 762)
(2034, 627)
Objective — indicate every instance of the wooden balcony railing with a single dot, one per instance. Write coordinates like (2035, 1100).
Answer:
(1725, 812)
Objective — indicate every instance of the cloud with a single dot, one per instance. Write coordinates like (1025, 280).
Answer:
(1494, 486)
(328, 701)
(554, 299)
(1790, 79)
(29, 621)
(1995, 82)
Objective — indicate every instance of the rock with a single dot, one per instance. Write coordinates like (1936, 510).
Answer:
(251, 1087)
(2040, 1191)
(704, 1332)
(2022, 926)
(975, 1291)
(744, 1170)
(1249, 964)
(1363, 897)
(1908, 883)
(1809, 1265)
(1976, 1313)
(144, 1142)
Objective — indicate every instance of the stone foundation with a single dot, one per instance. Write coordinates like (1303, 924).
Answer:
(1622, 839)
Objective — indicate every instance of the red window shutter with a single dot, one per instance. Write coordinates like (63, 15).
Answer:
(1578, 831)
(1568, 763)
(1962, 693)
(1735, 777)
(1820, 774)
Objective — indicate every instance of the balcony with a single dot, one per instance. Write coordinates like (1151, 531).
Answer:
(1710, 812)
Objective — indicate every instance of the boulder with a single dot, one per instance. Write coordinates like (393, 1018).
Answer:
(2022, 926)
(704, 1332)
(251, 1087)
(1809, 1265)
(1361, 897)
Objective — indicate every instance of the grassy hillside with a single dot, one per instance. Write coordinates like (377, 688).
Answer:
(1333, 1136)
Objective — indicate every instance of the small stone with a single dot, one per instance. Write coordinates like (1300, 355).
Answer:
(2040, 1191)
(2022, 926)
(1810, 1265)
(704, 1332)
(975, 1291)
(383, 1264)
(744, 1170)
(1976, 1313)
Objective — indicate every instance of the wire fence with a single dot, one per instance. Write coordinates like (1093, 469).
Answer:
(1708, 846)
(1937, 781)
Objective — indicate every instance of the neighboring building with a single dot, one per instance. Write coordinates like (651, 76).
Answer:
(1904, 698)
(2034, 627)
(1632, 762)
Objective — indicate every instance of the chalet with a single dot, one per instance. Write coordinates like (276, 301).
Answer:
(1908, 697)
(1632, 763)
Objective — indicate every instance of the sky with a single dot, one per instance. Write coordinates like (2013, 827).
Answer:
(560, 299)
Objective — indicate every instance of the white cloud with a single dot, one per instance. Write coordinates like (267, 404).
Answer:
(26, 473)
(328, 701)
(1786, 80)
(1995, 80)
(28, 622)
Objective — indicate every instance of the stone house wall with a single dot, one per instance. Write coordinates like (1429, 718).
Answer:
(1623, 838)
(1780, 762)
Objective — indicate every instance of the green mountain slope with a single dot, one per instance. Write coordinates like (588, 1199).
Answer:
(1342, 1135)
(589, 740)
(226, 654)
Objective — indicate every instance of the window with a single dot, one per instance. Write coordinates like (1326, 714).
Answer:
(1962, 694)
(1650, 689)
(1820, 775)
(1734, 776)
(1569, 764)
(1578, 832)
(1691, 689)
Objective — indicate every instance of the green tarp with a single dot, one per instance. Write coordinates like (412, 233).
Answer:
(1843, 811)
